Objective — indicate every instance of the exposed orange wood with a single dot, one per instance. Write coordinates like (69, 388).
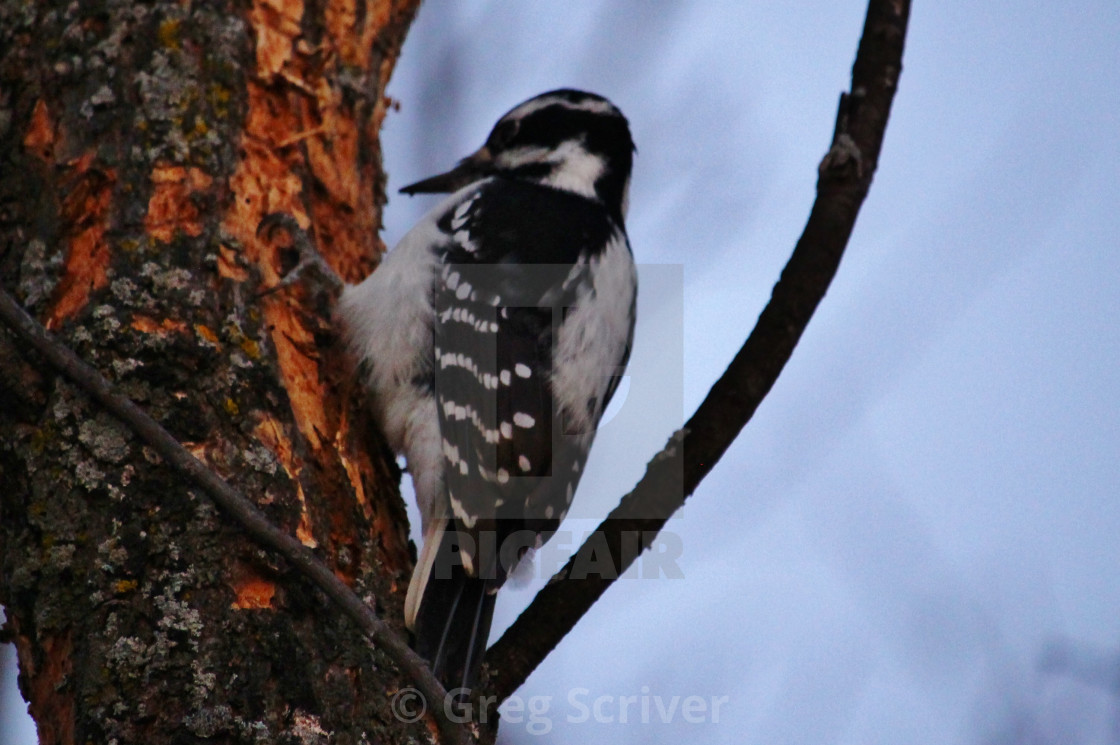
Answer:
(87, 197)
(334, 158)
(344, 213)
(197, 449)
(229, 265)
(276, 24)
(85, 217)
(264, 180)
(161, 326)
(253, 593)
(303, 136)
(270, 433)
(308, 149)
(352, 41)
(354, 453)
(355, 465)
(42, 133)
(206, 333)
(170, 207)
(49, 698)
(298, 358)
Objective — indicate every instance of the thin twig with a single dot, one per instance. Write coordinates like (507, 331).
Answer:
(239, 508)
(674, 473)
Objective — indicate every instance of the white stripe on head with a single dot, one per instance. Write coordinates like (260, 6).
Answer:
(589, 104)
(574, 169)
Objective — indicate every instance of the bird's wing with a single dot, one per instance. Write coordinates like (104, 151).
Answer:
(516, 266)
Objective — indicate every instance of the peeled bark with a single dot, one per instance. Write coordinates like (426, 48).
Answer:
(140, 146)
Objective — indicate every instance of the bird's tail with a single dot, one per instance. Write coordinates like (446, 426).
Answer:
(448, 610)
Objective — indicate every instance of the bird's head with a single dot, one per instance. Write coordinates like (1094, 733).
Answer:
(566, 139)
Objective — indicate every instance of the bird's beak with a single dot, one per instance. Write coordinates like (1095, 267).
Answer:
(471, 168)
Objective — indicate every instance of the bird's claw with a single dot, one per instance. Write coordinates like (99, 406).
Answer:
(309, 257)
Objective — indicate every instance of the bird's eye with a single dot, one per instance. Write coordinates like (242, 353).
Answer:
(503, 134)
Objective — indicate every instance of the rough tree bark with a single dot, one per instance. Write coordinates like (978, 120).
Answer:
(140, 145)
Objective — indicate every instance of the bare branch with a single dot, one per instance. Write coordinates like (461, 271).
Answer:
(241, 509)
(844, 179)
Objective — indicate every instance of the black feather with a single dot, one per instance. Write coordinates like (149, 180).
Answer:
(453, 623)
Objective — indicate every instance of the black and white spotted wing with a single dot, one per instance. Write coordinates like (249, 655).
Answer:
(516, 266)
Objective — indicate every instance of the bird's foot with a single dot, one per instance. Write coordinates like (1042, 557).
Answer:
(311, 268)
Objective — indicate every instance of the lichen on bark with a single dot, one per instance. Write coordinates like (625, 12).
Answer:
(140, 144)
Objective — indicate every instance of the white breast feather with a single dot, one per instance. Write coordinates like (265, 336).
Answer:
(388, 319)
(594, 335)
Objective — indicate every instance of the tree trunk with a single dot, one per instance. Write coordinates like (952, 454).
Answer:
(140, 146)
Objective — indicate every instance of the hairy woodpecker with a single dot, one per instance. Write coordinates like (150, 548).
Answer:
(492, 338)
